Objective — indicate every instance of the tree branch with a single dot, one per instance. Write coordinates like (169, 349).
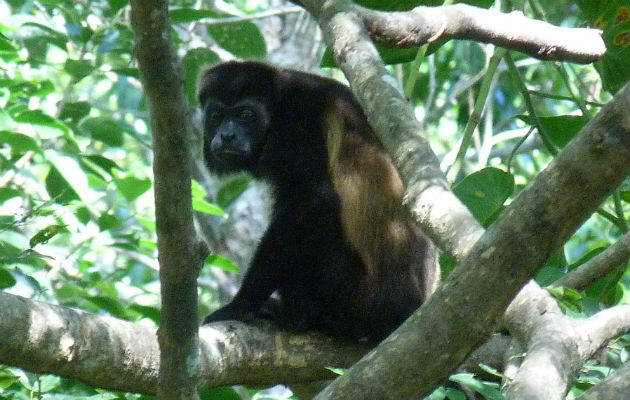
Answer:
(180, 252)
(598, 266)
(512, 31)
(109, 353)
(556, 345)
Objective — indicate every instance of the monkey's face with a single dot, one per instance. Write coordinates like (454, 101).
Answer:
(234, 133)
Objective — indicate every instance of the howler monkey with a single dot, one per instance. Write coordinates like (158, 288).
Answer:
(341, 250)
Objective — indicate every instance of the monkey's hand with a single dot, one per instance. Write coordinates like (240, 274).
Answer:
(227, 313)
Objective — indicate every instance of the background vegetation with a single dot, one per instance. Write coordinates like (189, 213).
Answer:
(76, 204)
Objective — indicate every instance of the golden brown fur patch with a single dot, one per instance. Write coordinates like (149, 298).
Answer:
(370, 189)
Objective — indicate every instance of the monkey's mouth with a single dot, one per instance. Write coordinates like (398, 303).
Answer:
(229, 152)
(229, 155)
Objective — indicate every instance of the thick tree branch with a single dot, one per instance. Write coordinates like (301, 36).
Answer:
(598, 266)
(556, 345)
(180, 252)
(109, 353)
(512, 31)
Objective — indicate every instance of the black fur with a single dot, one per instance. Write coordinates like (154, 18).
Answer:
(347, 271)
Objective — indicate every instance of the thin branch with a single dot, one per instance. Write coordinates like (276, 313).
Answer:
(597, 267)
(535, 121)
(512, 31)
(601, 328)
(475, 116)
(252, 17)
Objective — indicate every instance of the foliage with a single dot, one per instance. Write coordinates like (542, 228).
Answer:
(76, 211)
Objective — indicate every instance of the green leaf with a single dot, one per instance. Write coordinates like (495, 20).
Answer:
(53, 37)
(132, 187)
(37, 117)
(612, 17)
(203, 206)
(46, 234)
(20, 88)
(105, 130)
(196, 190)
(132, 72)
(93, 162)
(6, 194)
(83, 214)
(58, 188)
(561, 129)
(107, 221)
(454, 394)
(7, 379)
(75, 111)
(568, 299)
(12, 243)
(43, 383)
(19, 143)
(232, 190)
(186, 15)
(199, 202)
(68, 291)
(108, 304)
(224, 263)
(485, 191)
(147, 223)
(566, 293)
(338, 371)
(151, 313)
(6, 279)
(220, 393)
(491, 370)
(194, 61)
(8, 52)
(78, 69)
(148, 244)
(6, 221)
(548, 275)
(489, 390)
(117, 5)
(71, 172)
(242, 39)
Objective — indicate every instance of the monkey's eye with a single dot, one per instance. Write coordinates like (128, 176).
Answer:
(246, 115)
(213, 117)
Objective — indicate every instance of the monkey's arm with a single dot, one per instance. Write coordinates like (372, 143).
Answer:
(261, 280)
